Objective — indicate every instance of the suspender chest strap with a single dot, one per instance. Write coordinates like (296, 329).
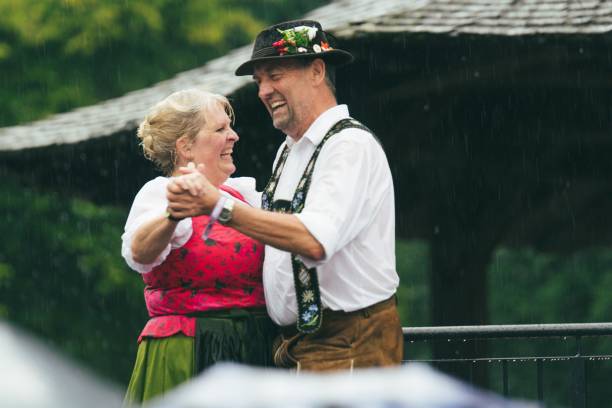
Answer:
(306, 280)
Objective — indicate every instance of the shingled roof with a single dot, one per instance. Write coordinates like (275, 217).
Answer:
(345, 19)
(490, 17)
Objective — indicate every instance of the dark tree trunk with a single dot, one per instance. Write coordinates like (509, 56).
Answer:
(458, 282)
(459, 288)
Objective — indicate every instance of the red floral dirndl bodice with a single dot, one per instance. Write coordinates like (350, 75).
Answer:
(223, 272)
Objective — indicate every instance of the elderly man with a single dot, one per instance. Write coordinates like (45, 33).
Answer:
(327, 215)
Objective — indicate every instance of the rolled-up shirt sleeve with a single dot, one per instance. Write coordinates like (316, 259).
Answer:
(338, 205)
(150, 203)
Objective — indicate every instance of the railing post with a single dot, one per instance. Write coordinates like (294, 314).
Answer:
(579, 377)
(540, 373)
(505, 377)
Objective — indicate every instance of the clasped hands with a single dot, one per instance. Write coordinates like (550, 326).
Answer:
(191, 194)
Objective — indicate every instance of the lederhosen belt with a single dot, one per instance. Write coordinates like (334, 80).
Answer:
(288, 331)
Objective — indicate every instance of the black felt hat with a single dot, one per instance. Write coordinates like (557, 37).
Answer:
(294, 39)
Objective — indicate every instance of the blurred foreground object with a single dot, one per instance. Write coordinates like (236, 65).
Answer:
(34, 376)
(411, 385)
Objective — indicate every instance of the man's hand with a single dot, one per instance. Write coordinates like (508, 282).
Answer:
(191, 194)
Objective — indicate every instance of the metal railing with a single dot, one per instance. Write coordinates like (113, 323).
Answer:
(576, 356)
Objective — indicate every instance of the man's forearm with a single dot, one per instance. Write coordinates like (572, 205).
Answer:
(282, 231)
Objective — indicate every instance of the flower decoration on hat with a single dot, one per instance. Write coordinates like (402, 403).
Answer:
(299, 40)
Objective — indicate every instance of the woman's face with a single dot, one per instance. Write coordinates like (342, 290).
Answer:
(213, 146)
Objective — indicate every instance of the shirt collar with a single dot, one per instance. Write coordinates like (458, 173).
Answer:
(317, 130)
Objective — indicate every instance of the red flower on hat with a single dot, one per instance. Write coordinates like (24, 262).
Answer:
(280, 46)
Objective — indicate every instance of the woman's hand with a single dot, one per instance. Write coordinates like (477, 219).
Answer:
(193, 181)
(191, 194)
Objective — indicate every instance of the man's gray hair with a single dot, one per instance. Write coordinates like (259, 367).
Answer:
(330, 72)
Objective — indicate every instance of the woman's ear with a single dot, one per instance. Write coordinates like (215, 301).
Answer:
(183, 149)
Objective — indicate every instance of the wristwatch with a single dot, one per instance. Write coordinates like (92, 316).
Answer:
(226, 212)
(172, 218)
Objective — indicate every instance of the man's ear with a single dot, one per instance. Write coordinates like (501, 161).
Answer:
(183, 149)
(318, 71)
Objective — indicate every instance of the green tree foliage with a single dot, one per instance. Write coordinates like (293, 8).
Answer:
(62, 277)
(56, 55)
(563, 289)
(525, 286)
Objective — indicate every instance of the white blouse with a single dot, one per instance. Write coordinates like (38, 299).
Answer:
(151, 202)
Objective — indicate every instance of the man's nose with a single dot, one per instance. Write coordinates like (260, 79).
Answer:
(264, 90)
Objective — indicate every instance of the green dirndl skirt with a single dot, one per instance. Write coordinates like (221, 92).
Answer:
(238, 335)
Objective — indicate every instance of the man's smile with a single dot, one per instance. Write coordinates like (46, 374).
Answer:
(276, 105)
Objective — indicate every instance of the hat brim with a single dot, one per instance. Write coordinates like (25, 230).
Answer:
(335, 57)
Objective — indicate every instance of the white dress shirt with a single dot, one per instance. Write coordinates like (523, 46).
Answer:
(349, 209)
(151, 202)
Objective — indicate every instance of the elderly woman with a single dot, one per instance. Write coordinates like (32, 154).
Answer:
(203, 288)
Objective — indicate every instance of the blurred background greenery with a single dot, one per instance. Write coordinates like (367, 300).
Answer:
(56, 55)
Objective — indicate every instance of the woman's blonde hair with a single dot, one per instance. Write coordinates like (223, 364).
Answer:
(181, 114)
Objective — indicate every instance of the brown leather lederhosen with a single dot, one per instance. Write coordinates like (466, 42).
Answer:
(370, 337)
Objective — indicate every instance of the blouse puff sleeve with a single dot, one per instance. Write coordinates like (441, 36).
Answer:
(151, 202)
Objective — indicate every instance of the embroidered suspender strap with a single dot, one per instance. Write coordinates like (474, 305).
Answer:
(267, 196)
(268, 193)
(308, 296)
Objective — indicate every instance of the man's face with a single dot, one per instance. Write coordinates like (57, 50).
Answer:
(283, 89)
